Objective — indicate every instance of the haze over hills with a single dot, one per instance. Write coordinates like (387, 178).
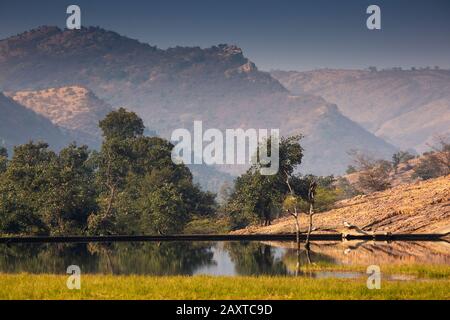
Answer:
(404, 107)
(19, 125)
(73, 108)
(171, 88)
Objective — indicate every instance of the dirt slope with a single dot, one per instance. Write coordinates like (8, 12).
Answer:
(420, 207)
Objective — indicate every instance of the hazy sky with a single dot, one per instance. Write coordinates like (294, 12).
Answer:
(277, 34)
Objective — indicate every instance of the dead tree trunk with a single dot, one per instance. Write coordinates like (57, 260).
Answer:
(311, 199)
(294, 214)
(297, 230)
(311, 213)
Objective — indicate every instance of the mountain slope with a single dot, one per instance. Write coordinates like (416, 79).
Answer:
(171, 88)
(20, 125)
(405, 107)
(421, 207)
(73, 108)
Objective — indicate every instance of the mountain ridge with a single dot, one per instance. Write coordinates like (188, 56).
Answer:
(405, 107)
(172, 88)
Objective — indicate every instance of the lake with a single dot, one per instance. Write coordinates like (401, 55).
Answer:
(216, 258)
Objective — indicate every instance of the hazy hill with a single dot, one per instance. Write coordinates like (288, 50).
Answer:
(19, 125)
(171, 88)
(73, 108)
(405, 107)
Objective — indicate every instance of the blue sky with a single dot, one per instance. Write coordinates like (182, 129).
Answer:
(277, 34)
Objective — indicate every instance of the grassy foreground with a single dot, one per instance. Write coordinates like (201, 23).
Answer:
(422, 271)
(26, 286)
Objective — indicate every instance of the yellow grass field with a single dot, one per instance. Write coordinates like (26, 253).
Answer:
(27, 286)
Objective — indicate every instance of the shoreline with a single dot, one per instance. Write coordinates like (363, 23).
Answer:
(231, 237)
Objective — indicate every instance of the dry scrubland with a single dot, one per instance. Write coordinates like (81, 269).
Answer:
(422, 207)
(25, 286)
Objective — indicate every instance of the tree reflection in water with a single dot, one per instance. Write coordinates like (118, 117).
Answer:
(152, 258)
(45, 258)
(168, 258)
(254, 258)
(165, 258)
(296, 259)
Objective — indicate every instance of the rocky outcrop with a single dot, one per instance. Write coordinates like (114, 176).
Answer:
(73, 108)
(19, 125)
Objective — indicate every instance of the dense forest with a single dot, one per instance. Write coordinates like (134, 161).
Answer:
(130, 186)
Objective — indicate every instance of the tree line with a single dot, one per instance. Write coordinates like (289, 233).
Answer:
(258, 199)
(130, 186)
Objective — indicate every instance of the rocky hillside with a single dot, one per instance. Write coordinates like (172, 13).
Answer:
(20, 125)
(171, 88)
(402, 175)
(404, 107)
(417, 207)
(74, 108)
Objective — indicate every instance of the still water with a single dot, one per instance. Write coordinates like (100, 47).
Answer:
(213, 258)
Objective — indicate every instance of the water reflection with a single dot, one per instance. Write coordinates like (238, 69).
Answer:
(253, 258)
(168, 258)
(215, 258)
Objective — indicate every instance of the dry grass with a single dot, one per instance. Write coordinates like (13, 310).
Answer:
(421, 207)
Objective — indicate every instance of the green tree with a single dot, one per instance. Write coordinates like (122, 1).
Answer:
(163, 211)
(114, 161)
(131, 167)
(130, 186)
(121, 125)
(24, 189)
(256, 197)
(46, 193)
(3, 159)
(71, 194)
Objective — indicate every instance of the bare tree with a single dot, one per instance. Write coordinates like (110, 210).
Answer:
(374, 174)
(442, 150)
(311, 200)
(293, 210)
(435, 163)
(293, 204)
